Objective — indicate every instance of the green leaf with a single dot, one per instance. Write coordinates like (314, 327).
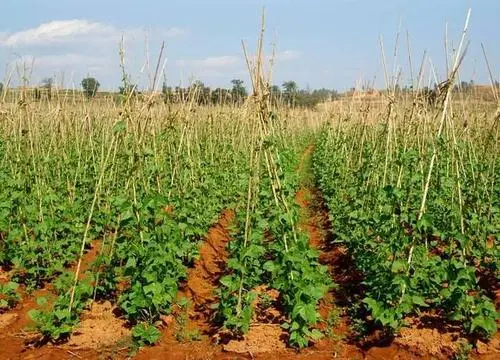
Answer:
(131, 262)
(119, 127)
(399, 266)
(269, 266)
(41, 300)
(146, 334)
(418, 300)
(316, 334)
(487, 324)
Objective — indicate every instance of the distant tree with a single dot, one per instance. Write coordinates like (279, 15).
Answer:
(275, 89)
(37, 94)
(48, 83)
(128, 89)
(306, 97)
(239, 92)
(204, 95)
(202, 92)
(221, 96)
(90, 86)
(1, 87)
(198, 84)
(290, 89)
(496, 84)
(165, 89)
(167, 92)
(275, 93)
(408, 88)
(429, 96)
(180, 94)
(199, 87)
(463, 86)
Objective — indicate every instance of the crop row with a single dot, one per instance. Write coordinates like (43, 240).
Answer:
(145, 200)
(419, 215)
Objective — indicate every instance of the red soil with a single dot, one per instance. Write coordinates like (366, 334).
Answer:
(18, 342)
(199, 289)
(265, 335)
(102, 335)
(88, 257)
(98, 329)
(203, 279)
(4, 278)
(262, 340)
(429, 336)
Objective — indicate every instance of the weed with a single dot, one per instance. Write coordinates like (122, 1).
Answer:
(464, 351)
(9, 296)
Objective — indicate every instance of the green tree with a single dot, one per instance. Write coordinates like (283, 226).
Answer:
(90, 86)
(201, 92)
(221, 96)
(47, 84)
(239, 92)
(464, 86)
(290, 89)
(1, 87)
(129, 89)
(167, 92)
(275, 94)
(275, 89)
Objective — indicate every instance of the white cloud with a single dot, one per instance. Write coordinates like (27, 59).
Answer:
(211, 62)
(65, 31)
(71, 60)
(63, 61)
(174, 32)
(287, 55)
(58, 31)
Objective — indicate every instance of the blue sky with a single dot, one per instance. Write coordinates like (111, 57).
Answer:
(333, 44)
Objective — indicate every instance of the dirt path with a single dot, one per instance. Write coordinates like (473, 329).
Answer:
(100, 331)
(187, 333)
(94, 338)
(203, 279)
(428, 336)
(338, 341)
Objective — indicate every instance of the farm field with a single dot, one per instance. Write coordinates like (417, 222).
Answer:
(217, 233)
(136, 227)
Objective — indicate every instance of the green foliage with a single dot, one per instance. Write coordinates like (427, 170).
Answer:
(379, 224)
(464, 351)
(146, 247)
(182, 332)
(54, 321)
(128, 90)
(48, 83)
(307, 98)
(278, 255)
(238, 92)
(144, 334)
(8, 295)
(90, 86)
(202, 94)
(161, 181)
